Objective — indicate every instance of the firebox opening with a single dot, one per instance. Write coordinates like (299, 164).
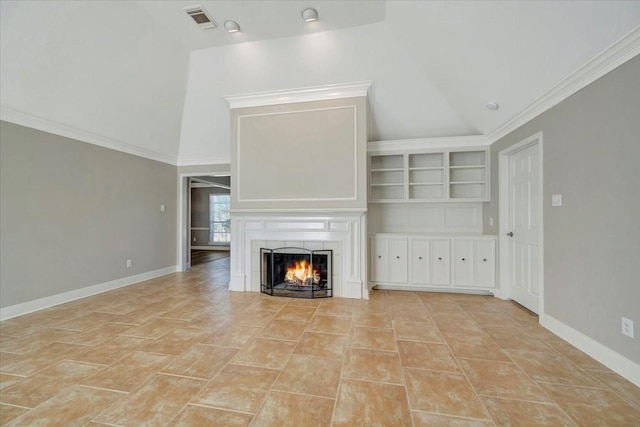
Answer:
(296, 272)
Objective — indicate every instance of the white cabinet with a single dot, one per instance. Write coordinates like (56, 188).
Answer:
(462, 255)
(379, 260)
(420, 261)
(485, 263)
(441, 262)
(474, 262)
(389, 259)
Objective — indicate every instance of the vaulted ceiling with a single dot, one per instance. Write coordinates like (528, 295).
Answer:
(141, 77)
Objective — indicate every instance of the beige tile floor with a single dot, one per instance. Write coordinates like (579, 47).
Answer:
(182, 350)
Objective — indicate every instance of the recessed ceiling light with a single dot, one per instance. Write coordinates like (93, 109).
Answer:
(310, 15)
(232, 26)
(493, 106)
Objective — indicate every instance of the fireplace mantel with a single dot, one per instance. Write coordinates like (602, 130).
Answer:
(299, 173)
(345, 231)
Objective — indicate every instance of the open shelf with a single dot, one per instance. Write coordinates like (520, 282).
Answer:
(429, 176)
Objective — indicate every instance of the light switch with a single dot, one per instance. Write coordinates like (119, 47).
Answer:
(162, 208)
(556, 200)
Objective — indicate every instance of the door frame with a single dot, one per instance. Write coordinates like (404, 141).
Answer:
(184, 217)
(504, 212)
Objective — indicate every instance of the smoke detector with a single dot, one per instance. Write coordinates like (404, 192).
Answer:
(200, 16)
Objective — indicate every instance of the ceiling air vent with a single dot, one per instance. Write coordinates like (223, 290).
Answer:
(200, 16)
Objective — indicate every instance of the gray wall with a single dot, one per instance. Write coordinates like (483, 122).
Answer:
(72, 213)
(591, 243)
(200, 213)
(309, 155)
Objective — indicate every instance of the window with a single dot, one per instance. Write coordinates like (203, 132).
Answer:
(219, 218)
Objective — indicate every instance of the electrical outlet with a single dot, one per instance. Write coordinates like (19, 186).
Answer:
(556, 200)
(163, 208)
(627, 327)
(194, 239)
(129, 263)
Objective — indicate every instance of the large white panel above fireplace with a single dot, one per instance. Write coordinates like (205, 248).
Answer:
(306, 155)
(300, 156)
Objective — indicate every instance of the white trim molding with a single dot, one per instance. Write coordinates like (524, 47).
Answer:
(305, 94)
(202, 161)
(23, 119)
(429, 143)
(41, 303)
(620, 52)
(609, 358)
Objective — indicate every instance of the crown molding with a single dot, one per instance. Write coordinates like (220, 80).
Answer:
(23, 119)
(201, 161)
(428, 143)
(620, 52)
(305, 94)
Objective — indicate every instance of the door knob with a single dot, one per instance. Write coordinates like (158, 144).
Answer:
(510, 234)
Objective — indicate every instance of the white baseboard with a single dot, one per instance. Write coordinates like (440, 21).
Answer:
(609, 358)
(38, 304)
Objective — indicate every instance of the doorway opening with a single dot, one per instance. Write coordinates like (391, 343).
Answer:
(204, 218)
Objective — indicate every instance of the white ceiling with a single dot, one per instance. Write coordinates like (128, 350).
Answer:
(141, 77)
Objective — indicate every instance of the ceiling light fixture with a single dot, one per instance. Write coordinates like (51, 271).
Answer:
(493, 106)
(310, 15)
(231, 26)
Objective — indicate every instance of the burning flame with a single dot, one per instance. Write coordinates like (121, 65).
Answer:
(301, 272)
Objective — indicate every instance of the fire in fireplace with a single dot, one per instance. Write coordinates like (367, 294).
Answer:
(296, 272)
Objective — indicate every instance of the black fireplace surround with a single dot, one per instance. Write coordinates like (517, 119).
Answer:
(296, 272)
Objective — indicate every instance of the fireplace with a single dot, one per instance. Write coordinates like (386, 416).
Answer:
(296, 272)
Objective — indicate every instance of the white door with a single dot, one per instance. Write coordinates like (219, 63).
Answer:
(524, 228)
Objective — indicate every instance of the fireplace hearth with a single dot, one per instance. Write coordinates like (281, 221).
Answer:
(296, 272)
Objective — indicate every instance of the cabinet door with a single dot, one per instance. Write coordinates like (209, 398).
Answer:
(485, 263)
(419, 261)
(398, 262)
(379, 260)
(462, 262)
(439, 269)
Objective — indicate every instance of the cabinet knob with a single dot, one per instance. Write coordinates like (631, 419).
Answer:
(463, 259)
(379, 256)
(398, 257)
(439, 258)
(484, 259)
(419, 257)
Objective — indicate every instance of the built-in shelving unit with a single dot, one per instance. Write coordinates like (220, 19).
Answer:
(426, 176)
(387, 176)
(425, 215)
(443, 175)
(468, 175)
